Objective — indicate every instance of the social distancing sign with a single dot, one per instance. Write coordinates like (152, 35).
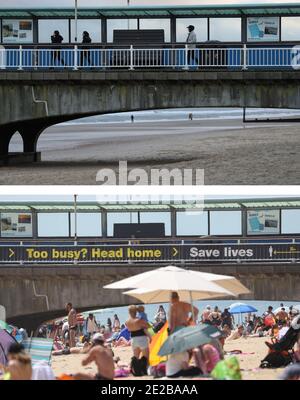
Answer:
(150, 253)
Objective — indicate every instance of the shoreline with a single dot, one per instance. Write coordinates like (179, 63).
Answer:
(230, 152)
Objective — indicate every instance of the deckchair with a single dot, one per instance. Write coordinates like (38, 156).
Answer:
(39, 349)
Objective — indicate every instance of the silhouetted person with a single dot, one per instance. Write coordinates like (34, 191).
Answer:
(191, 41)
(132, 119)
(85, 54)
(56, 38)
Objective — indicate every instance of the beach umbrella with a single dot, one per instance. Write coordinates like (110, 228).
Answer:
(167, 279)
(188, 338)
(174, 279)
(229, 283)
(241, 308)
(3, 325)
(6, 340)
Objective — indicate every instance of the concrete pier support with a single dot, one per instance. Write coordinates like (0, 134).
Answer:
(30, 132)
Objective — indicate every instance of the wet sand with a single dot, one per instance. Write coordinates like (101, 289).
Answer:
(249, 363)
(230, 152)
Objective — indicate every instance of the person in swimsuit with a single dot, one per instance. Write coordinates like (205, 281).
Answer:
(72, 321)
(215, 317)
(139, 334)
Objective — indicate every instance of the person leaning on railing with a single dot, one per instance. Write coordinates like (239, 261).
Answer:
(85, 53)
(56, 38)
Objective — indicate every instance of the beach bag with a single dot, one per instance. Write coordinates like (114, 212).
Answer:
(276, 359)
(138, 366)
(228, 369)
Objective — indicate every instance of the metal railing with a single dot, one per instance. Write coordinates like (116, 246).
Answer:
(131, 58)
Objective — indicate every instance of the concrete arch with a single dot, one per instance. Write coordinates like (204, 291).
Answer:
(18, 142)
(79, 94)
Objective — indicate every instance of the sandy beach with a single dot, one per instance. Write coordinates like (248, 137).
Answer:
(253, 351)
(229, 151)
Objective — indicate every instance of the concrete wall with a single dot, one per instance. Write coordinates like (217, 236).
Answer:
(74, 94)
(83, 286)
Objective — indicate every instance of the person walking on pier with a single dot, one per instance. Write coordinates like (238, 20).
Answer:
(191, 45)
(56, 38)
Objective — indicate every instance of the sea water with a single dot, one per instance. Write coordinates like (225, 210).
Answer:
(103, 314)
(181, 114)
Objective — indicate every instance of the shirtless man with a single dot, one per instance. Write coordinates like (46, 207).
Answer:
(72, 321)
(282, 316)
(179, 313)
(102, 357)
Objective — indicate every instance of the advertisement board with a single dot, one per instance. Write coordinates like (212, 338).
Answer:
(263, 222)
(16, 225)
(263, 29)
(17, 31)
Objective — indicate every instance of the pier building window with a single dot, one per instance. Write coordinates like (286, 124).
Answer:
(157, 217)
(53, 224)
(200, 25)
(290, 221)
(92, 26)
(225, 29)
(113, 24)
(17, 31)
(16, 224)
(225, 223)
(88, 224)
(290, 28)
(46, 27)
(192, 223)
(157, 23)
(120, 218)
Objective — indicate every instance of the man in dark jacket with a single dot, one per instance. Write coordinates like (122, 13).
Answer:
(85, 53)
(56, 38)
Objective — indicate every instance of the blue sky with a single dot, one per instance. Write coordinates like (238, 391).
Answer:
(99, 3)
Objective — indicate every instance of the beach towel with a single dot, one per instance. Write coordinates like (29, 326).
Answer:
(157, 341)
(6, 340)
(122, 372)
(39, 349)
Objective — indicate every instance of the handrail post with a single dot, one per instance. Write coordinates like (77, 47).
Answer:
(75, 58)
(186, 65)
(131, 58)
(245, 61)
(20, 58)
(2, 57)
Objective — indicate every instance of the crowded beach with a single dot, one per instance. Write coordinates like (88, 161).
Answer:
(176, 343)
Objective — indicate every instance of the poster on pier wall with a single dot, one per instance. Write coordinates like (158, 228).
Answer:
(17, 31)
(263, 222)
(263, 29)
(16, 225)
